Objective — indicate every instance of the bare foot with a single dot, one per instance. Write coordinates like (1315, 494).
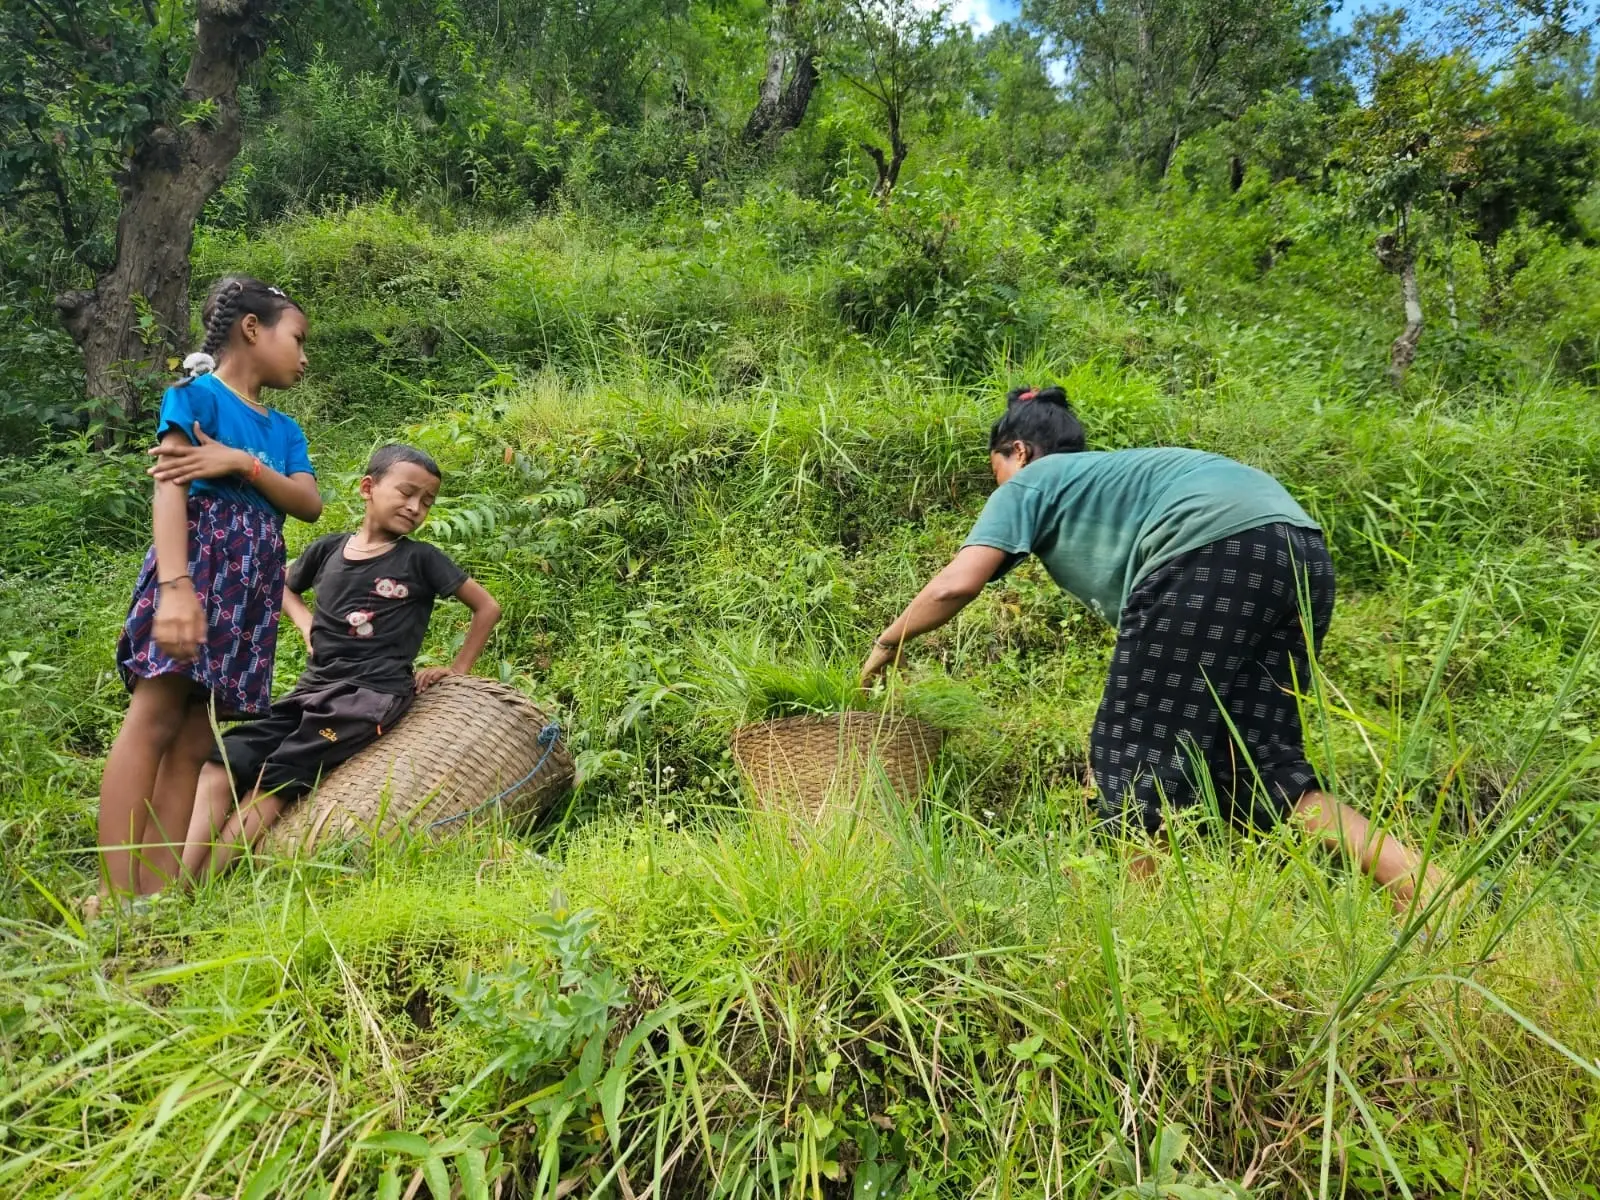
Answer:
(1142, 865)
(102, 904)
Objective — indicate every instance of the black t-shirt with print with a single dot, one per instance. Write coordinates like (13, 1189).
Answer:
(370, 615)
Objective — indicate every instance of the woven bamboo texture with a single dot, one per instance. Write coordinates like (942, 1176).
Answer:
(464, 742)
(802, 765)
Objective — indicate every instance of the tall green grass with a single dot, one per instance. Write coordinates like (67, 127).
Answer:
(670, 460)
(970, 1007)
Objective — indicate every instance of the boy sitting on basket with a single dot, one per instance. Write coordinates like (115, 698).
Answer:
(375, 590)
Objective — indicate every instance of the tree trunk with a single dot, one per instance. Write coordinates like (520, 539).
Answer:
(137, 314)
(1169, 148)
(1398, 259)
(888, 165)
(896, 158)
(781, 106)
(1144, 97)
(1450, 268)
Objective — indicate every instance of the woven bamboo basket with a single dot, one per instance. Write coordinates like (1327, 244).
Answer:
(802, 765)
(470, 749)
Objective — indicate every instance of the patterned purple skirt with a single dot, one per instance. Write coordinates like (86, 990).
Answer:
(236, 562)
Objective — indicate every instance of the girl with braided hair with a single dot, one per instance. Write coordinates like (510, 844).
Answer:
(202, 630)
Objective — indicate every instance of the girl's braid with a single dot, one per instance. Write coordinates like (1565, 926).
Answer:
(231, 299)
(222, 318)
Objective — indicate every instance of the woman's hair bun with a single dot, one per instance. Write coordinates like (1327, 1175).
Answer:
(1040, 417)
(1029, 395)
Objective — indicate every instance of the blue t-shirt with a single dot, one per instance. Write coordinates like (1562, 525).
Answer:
(223, 415)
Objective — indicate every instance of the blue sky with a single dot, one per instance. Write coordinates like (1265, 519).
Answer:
(984, 15)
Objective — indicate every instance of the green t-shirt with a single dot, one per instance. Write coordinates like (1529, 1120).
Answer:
(1102, 520)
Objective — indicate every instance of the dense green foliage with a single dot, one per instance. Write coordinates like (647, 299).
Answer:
(707, 469)
(626, 107)
(709, 413)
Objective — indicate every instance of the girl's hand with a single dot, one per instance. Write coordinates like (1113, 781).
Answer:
(877, 662)
(180, 625)
(178, 462)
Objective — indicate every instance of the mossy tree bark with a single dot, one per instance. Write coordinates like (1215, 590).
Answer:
(1396, 256)
(137, 313)
(790, 78)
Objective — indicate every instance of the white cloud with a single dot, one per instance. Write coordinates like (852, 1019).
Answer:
(981, 15)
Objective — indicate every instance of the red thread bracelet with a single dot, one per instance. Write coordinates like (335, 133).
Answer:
(255, 469)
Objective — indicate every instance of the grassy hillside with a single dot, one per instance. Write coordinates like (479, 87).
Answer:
(746, 435)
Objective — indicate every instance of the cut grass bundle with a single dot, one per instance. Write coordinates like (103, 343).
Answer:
(747, 684)
(808, 739)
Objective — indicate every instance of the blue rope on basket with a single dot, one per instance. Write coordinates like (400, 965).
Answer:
(548, 737)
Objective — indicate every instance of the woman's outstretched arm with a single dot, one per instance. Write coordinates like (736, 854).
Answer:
(946, 594)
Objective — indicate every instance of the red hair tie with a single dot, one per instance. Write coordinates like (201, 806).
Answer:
(1027, 395)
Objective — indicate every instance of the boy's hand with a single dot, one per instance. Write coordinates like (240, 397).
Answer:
(429, 676)
(177, 462)
(485, 612)
(294, 607)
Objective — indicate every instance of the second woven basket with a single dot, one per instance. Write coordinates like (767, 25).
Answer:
(803, 765)
(469, 749)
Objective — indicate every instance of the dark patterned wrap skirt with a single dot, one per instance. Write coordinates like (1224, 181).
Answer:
(1210, 652)
(236, 563)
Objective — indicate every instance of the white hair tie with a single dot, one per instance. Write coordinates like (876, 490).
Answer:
(199, 363)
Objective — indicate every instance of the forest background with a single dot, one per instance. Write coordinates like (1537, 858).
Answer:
(705, 306)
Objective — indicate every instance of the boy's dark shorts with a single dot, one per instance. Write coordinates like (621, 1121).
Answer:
(306, 734)
(1224, 621)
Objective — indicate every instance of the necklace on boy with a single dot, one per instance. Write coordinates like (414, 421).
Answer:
(360, 551)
